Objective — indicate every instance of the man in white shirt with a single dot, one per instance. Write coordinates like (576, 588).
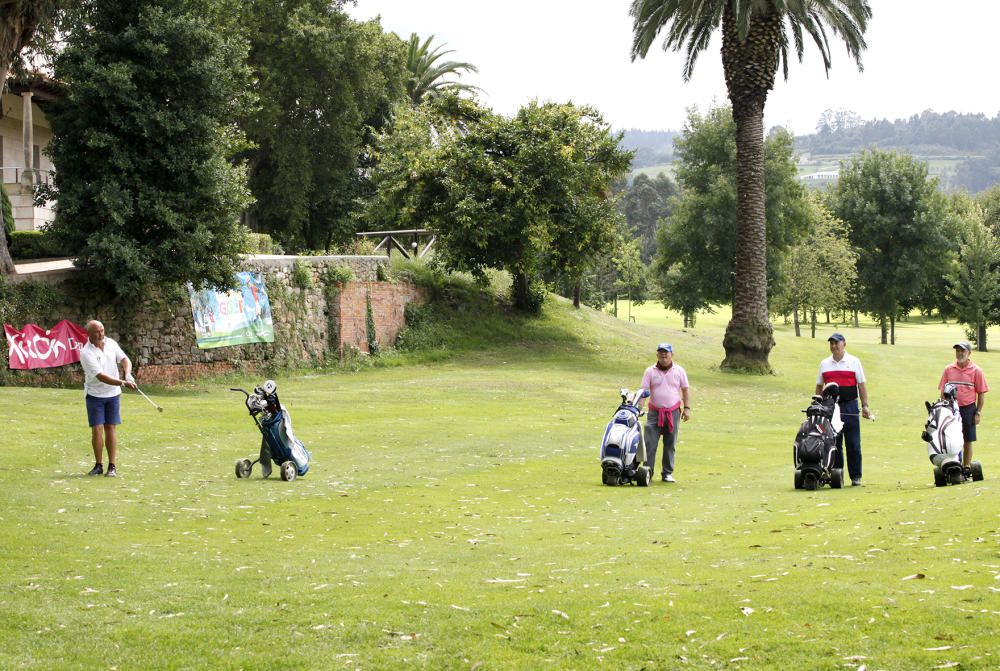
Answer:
(846, 370)
(100, 359)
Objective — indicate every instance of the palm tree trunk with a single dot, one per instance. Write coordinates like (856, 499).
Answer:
(750, 65)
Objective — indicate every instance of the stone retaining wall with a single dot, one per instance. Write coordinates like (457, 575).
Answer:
(314, 320)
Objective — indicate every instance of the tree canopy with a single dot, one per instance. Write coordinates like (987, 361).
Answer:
(698, 236)
(526, 194)
(899, 225)
(323, 83)
(147, 193)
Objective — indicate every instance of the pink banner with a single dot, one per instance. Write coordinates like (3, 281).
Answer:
(34, 347)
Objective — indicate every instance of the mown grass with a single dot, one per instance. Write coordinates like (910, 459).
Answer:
(454, 519)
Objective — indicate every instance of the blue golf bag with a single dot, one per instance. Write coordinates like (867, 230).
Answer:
(622, 449)
(278, 442)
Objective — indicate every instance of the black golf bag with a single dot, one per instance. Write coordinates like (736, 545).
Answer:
(815, 445)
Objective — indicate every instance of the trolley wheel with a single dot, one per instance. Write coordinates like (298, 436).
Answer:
(837, 478)
(810, 481)
(643, 476)
(799, 478)
(243, 468)
(977, 471)
(288, 472)
(955, 475)
(939, 477)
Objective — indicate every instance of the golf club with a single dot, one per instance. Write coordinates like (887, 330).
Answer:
(149, 399)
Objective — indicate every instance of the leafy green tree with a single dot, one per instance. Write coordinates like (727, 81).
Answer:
(680, 291)
(819, 270)
(974, 277)
(323, 83)
(645, 203)
(699, 233)
(899, 225)
(756, 37)
(630, 270)
(989, 203)
(426, 76)
(147, 195)
(526, 194)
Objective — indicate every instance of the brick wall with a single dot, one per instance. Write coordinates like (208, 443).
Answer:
(388, 303)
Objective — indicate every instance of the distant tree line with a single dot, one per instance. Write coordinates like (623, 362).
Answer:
(884, 240)
(843, 132)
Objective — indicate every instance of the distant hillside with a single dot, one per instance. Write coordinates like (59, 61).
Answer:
(963, 150)
(652, 147)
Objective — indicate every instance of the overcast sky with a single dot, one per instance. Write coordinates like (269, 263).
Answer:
(922, 54)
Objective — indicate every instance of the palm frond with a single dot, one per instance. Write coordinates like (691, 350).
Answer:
(427, 76)
(689, 25)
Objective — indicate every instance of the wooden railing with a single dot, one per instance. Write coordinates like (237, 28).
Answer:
(414, 243)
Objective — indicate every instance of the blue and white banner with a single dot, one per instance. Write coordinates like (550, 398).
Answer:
(222, 319)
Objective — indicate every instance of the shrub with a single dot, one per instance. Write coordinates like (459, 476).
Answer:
(262, 243)
(337, 274)
(302, 275)
(28, 302)
(36, 245)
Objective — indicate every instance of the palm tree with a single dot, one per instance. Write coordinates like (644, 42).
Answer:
(426, 78)
(756, 36)
(19, 19)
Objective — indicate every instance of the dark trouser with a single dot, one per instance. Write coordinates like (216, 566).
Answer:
(851, 435)
(968, 415)
(652, 434)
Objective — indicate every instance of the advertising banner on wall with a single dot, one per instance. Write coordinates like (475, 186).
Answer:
(34, 347)
(226, 318)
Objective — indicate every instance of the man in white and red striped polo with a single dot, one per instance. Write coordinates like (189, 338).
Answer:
(845, 369)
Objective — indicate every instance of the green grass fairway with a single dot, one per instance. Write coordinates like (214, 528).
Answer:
(454, 518)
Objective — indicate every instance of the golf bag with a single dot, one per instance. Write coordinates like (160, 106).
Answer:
(815, 444)
(622, 448)
(278, 441)
(945, 441)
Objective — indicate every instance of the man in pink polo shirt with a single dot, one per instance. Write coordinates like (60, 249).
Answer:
(971, 386)
(667, 384)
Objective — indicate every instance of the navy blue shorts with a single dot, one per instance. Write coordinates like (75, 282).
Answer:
(104, 410)
(968, 413)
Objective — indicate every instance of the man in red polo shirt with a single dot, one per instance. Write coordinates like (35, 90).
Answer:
(971, 385)
(667, 384)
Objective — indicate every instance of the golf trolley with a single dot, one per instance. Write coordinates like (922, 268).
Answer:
(620, 446)
(278, 443)
(816, 442)
(945, 441)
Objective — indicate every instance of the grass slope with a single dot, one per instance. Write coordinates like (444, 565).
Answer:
(454, 519)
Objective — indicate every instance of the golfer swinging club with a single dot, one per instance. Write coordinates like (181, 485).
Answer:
(100, 358)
